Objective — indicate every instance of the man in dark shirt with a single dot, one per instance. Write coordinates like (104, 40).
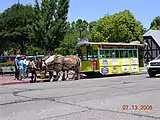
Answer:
(16, 62)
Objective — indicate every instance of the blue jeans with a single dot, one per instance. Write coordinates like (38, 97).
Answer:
(22, 73)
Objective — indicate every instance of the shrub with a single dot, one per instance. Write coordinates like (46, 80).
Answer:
(6, 64)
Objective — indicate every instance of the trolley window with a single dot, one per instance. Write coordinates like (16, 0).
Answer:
(87, 53)
(117, 54)
(130, 53)
(124, 54)
(135, 53)
(104, 53)
(95, 53)
(113, 54)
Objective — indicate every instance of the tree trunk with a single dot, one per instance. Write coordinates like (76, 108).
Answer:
(80, 34)
(22, 48)
(1, 53)
(44, 50)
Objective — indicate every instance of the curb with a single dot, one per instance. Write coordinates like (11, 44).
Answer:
(14, 83)
(145, 72)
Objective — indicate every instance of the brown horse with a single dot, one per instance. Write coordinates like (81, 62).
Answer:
(54, 63)
(41, 67)
(72, 62)
(64, 63)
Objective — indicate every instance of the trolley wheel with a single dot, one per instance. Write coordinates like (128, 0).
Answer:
(151, 74)
(77, 77)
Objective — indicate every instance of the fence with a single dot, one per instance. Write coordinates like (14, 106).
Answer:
(7, 70)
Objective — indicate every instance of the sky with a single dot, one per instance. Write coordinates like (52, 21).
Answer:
(91, 10)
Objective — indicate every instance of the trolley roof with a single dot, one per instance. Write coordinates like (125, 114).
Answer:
(107, 43)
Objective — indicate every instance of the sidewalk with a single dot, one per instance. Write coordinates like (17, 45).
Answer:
(9, 80)
(142, 70)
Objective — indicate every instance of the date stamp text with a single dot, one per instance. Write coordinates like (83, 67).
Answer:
(137, 107)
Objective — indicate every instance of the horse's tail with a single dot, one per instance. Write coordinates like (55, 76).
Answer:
(79, 63)
(80, 66)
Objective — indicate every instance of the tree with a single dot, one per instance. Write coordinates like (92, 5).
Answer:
(50, 23)
(91, 25)
(78, 29)
(68, 45)
(81, 26)
(119, 27)
(61, 17)
(1, 38)
(15, 24)
(155, 24)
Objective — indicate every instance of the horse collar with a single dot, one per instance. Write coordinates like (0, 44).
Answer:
(45, 63)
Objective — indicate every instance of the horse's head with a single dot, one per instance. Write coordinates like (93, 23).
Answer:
(49, 61)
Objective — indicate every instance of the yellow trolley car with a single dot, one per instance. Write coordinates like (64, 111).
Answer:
(108, 58)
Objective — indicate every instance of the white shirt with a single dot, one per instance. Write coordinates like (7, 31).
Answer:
(26, 62)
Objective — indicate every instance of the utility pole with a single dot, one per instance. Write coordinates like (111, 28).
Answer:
(18, 1)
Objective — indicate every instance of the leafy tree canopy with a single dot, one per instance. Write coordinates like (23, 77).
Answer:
(15, 24)
(119, 27)
(155, 24)
(77, 29)
(50, 24)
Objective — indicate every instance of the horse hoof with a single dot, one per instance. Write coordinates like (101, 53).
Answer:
(76, 78)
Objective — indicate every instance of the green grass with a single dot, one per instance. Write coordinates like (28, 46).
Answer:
(142, 68)
(6, 64)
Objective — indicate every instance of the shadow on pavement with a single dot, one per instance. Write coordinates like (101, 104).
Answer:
(157, 76)
(89, 76)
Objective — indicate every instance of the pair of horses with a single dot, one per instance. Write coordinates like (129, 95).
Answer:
(60, 64)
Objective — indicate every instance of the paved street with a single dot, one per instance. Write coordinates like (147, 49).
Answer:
(86, 99)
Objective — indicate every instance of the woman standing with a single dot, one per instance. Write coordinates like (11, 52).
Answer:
(22, 68)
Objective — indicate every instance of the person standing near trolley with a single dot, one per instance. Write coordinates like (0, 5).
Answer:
(16, 62)
(22, 68)
(32, 68)
(26, 63)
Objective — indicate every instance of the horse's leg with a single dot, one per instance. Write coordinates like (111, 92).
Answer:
(63, 78)
(57, 75)
(54, 75)
(74, 75)
(67, 77)
(60, 76)
(35, 76)
(32, 76)
(51, 76)
(77, 74)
